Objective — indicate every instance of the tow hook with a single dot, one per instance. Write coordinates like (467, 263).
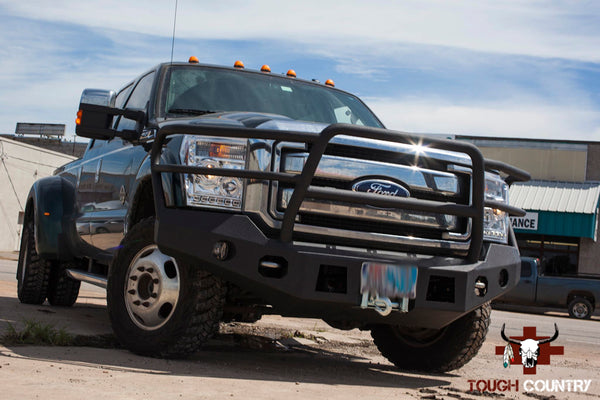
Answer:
(383, 305)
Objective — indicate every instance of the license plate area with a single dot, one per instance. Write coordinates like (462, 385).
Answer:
(388, 280)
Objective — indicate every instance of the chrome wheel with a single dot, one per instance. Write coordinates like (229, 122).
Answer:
(580, 310)
(151, 288)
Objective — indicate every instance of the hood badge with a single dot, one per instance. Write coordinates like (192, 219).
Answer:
(381, 187)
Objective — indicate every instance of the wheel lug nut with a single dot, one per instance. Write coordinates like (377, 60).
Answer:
(133, 278)
(146, 304)
(150, 270)
(155, 281)
(132, 291)
(154, 295)
(141, 269)
(137, 302)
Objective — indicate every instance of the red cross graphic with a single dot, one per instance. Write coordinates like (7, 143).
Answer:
(546, 349)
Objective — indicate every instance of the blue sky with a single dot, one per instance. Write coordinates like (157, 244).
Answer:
(485, 68)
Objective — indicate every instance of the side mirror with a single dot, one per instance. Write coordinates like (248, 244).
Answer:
(96, 114)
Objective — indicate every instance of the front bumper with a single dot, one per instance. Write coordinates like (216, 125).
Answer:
(324, 281)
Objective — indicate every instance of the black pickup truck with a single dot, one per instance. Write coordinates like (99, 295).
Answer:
(579, 294)
(210, 193)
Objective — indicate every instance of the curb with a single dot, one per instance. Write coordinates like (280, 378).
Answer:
(9, 255)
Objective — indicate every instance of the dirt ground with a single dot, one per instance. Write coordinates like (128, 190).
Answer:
(273, 359)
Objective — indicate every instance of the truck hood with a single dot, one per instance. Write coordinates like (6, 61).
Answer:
(258, 121)
(283, 123)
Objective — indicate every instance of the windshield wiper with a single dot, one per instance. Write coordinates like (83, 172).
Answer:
(190, 111)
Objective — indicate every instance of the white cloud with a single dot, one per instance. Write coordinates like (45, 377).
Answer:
(40, 79)
(515, 119)
(534, 28)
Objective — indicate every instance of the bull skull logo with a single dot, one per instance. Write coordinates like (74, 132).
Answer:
(529, 349)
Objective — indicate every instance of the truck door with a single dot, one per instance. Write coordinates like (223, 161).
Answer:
(86, 186)
(107, 223)
(120, 160)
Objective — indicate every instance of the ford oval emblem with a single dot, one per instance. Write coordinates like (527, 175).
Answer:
(385, 188)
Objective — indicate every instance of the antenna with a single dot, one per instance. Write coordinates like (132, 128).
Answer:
(174, 25)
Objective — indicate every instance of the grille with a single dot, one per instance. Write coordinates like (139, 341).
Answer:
(341, 167)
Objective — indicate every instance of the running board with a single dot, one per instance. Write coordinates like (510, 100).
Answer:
(87, 277)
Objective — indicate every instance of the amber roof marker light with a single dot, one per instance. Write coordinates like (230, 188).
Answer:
(193, 60)
(265, 68)
(238, 64)
(291, 73)
(329, 82)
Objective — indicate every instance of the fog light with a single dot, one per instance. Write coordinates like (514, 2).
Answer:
(221, 250)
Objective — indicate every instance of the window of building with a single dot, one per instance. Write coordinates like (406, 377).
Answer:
(558, 255)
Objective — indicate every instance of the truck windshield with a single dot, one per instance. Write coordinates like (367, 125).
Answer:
(197, 90)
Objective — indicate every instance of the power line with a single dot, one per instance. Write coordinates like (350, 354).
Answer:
(2, 157)
(32, 162)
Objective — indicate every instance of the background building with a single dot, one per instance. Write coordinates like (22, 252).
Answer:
(561, 200)
(22, 164)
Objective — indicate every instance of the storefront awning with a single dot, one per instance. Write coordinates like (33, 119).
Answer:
(557, 208)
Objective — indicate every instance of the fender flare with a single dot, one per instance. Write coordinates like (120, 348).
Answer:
(143, 178)
(53, 202)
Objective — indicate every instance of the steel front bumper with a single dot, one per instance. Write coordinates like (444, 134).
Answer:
(310, 280)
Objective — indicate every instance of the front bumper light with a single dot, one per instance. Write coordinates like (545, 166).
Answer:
(495, 222)
(212, 190)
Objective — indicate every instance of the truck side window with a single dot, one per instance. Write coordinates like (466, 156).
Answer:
(139, 99)
(525, 269)
(122, 97)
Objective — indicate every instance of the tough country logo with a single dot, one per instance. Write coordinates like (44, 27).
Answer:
(529, 349)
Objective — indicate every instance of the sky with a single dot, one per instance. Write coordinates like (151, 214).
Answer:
(525, 69)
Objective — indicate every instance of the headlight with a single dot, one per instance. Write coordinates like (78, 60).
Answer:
(495, 222)
(213, 190)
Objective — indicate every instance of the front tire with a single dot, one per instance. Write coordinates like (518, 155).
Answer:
(434, 350)
(580, 308)
(33, 272)
(160, 306)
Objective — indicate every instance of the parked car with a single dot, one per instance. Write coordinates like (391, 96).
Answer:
(578, 294)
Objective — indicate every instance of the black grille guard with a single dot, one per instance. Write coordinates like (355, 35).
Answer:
(318, 143)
